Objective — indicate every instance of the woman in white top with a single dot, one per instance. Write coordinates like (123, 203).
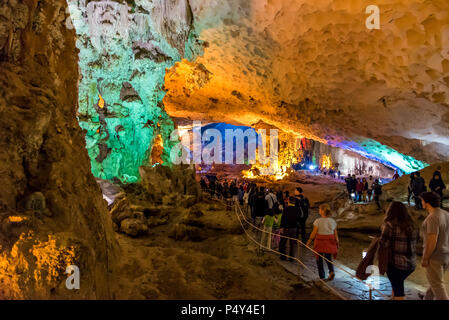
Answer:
(326, 240)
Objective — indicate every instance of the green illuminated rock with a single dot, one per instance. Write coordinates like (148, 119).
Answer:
(125, 49)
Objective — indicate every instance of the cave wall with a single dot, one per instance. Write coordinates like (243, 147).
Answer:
(51, 209)
(351, 162)
(125, 49)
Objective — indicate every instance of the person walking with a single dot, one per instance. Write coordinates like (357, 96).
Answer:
(354, 186)
(348, 181)
(280, 197)
(326, 241)
(396, 175)
(289, 223)
(365, 190)
(276, 231)
(260, 208)
(435, 260)
(304, 205)
(271, 199)
(227, 196)
(246, 202)
(409, 188)
(252, 196)
(370, 188)
(437, 186)
(377, 190)
(418, 187)
(234, 190)
(399, 236)
(267, 223)
(359, 190)
(240, 194)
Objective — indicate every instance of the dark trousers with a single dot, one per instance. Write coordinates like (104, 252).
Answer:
(291, 233)
(253, 214)
(397, 278)
(320, 265)
(418, 204)
(376, 198)
(302, 229)
(441, 198)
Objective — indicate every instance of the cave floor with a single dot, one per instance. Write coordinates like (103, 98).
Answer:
(223, 265)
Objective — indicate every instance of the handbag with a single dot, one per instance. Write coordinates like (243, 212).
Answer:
(367, 260)
(385, 255)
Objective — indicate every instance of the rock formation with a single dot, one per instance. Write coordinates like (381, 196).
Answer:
(52, 213)
(125, 48)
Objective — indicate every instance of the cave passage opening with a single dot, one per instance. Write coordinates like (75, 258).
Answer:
(125, 53)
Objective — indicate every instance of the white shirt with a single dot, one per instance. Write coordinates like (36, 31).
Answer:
(271, 199)
(326, 226)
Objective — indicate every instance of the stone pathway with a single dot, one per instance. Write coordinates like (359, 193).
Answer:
(343, 283)
(347, 286)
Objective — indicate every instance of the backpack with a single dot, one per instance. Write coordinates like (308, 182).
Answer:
(275, 209)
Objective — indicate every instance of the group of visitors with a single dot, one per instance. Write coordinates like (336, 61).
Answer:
(399, 237)
(336, 174)
(363, 189)
(280, 219)
(417, 186)
(283, 217)
(226, 189)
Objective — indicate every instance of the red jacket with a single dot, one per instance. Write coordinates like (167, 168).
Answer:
(359, 187)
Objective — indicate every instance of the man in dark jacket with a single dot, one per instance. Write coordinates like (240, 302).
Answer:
(348, 181)
(252, 202)
(303, 205)
(289, 222)
(418, 187)
(377, 190)
(437, 186)
(260, 208)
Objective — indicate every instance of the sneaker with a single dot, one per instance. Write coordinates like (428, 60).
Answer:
(331, 276)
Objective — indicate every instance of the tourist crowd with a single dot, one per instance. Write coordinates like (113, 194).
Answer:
(280, 219)
(363, 189)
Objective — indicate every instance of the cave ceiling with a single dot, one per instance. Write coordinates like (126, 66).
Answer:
(312, 68)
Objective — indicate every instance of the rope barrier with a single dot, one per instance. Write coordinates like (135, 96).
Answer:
(285, 255)
(370, 287)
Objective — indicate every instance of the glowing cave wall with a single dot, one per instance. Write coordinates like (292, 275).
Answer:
(374, 150)
(124, 53)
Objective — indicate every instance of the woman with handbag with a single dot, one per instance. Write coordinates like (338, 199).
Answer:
(325, 237)
(397, 247)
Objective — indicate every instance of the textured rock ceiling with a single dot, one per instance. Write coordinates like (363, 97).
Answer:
(313, 67)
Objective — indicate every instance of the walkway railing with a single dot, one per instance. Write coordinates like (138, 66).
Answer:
(242, 218)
